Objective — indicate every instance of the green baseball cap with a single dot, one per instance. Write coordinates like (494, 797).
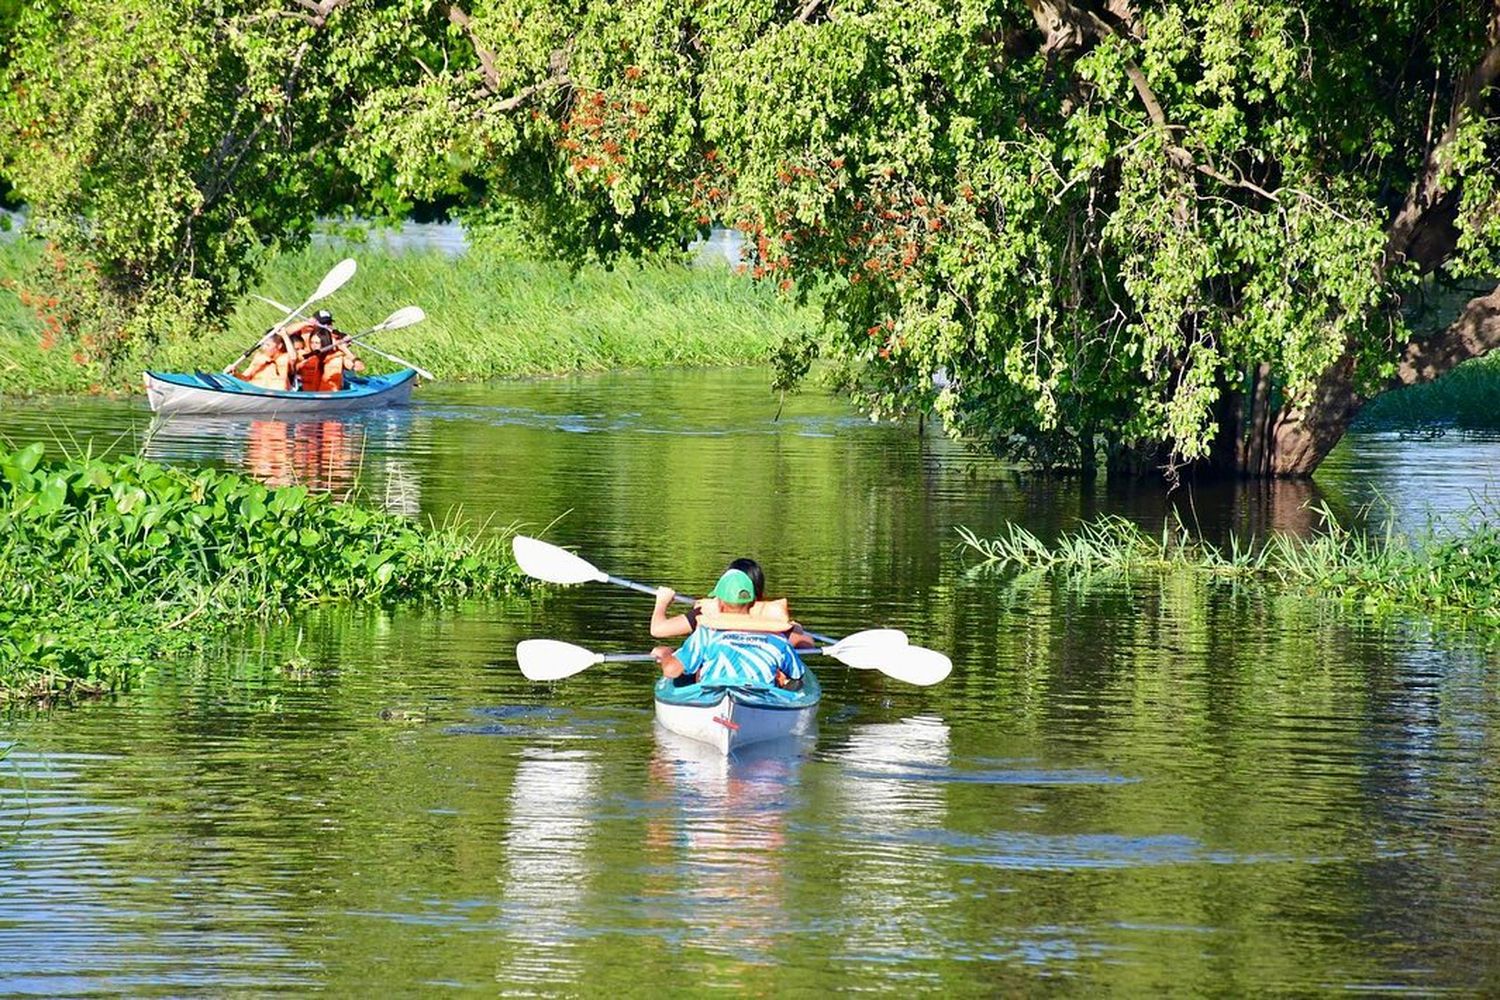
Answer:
(734, 587)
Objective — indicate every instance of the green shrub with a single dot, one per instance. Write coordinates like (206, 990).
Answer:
(108, 565)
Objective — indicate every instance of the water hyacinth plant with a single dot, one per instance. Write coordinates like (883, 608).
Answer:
(107, 565)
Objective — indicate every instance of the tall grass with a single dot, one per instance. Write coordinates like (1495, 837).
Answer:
(1467, 398)
(1445, 574)
(106, 566)
(489, 315)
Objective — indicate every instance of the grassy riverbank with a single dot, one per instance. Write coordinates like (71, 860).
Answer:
(1448, 574)
(489, 315)
(1467, 398)
(107, 566)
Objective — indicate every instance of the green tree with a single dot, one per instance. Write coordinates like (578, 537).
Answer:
(165, 147)
(1202, 231)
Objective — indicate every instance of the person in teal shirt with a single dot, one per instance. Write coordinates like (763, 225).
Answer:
(731, 647)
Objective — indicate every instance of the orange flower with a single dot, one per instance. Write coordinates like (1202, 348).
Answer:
(632, 72)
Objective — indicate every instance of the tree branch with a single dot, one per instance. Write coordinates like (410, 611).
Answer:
(557, 64)
(1423, 231)
(808, 10)
(461, 20)
(1476, 332)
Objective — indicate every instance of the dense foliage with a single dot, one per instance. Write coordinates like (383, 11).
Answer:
(106, 565)
(1201, 229)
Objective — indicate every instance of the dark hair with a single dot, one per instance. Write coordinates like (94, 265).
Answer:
(320, 339)
(752, 569)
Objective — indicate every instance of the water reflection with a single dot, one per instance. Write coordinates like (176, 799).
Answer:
(888, 890)
(725, 837)
(550, 823)
(335, 455)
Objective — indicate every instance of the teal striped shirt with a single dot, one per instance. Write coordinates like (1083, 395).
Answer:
(738, 659)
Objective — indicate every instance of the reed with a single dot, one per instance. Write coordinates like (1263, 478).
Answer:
(106, 566)
(490, 315)
(1448, 573)
(1466, 399)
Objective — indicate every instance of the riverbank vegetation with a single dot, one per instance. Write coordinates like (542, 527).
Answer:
(106, 566)
(1466, 399)
(1452, 573)
(491, 313)
(1191, 232)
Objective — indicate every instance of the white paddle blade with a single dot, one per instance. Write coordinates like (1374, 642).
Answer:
(917, 665)
(873, 637)
(334, 279)
(409, 316)
(551, 660)
(889, 651)
(548, 562)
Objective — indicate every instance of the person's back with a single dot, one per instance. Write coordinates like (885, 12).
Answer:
(732, 648)
(734, 658)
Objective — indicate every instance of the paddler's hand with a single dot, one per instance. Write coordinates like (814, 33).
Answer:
(671, 666)
(664, 597)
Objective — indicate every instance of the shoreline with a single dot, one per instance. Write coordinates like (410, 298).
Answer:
(489, 316)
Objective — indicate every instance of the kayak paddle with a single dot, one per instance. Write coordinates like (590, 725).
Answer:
(401, 361)
(551, 659)
(403, 317)
(552, 564)
(335, 279)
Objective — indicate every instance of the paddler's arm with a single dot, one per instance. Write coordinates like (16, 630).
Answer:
(663, 627)
(671, 666)
(799, 638)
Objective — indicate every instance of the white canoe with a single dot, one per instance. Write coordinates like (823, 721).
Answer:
(729, 717)
(214, 392)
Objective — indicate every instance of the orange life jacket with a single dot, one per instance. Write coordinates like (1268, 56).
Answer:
(310, 372)
(333, 372)
(764, 616)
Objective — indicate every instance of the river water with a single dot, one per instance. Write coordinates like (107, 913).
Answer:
(1148, 786)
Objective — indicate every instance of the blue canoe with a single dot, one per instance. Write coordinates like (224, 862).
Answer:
(732, 717)
(214, 392)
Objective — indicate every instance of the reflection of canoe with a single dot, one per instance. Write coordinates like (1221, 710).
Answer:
(732, 717)
(212, 392)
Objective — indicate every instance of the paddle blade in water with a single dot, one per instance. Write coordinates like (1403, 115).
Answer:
(547, 562)
(551, 660)
(335, 279)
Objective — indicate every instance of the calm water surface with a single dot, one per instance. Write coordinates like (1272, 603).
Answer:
(1134, 787)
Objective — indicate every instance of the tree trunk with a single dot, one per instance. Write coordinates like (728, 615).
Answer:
(1289, 440)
